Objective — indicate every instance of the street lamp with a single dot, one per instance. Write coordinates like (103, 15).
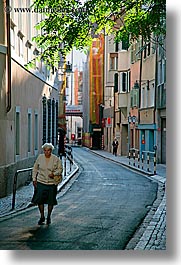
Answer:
(131, 119)
(134, 119)
(63, 69)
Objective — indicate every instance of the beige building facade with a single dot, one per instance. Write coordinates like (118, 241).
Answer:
(110, 69)
(135, 97)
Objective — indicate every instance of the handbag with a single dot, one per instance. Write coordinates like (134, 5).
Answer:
(57, 179)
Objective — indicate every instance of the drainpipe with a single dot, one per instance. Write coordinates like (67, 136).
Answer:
(155, 120)
(140, 76)
(8, 26)
(156, 77)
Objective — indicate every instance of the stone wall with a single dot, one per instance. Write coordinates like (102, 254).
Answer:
(7, 174)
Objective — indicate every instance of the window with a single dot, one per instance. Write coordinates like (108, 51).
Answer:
(20, 4)
(36, 132)
(29, 19)
(53, 122)
(20, 44)
(29, 130)
(28, 45)
(128, 81)
(113, 61)
(144, 52)
(124, 82)
(11, 3)
(152, 95)
(142, 97)
(148, 49)
(147, 94)
(12, 37)
(161, 72)
(21, 47)
(17, 131)
(145, 98)
(135, 51)
(134, 97)
(164, 70)
(116, 46)
(125, 44)
(56, 107)
(116, 83)
(49, 120)
(36, 53)
(44, 118)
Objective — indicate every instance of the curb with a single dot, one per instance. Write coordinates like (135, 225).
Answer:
(147, 240)
(30, 205)
(149, 174)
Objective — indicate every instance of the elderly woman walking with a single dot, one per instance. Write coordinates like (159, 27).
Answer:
(47, 174)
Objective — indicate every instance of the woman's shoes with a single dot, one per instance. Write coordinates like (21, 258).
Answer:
(48, 220)
(41, 221)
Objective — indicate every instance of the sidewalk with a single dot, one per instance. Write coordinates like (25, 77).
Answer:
(152, 233)
(160, 168)
(25, 193)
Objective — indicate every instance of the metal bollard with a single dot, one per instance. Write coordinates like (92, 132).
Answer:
(129, 155)
(65, 157)
(138, 159)
(155, 163)
(134, 158)
(14, 190)
(142, 160)
(102, 142)
(148, 162)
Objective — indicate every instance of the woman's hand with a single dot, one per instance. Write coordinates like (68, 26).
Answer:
(35, 183)
(51, 175)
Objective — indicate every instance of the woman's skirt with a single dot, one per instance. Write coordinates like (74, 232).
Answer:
(45, 194)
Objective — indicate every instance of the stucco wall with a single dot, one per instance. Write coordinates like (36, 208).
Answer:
(7, 174)
(27, 91)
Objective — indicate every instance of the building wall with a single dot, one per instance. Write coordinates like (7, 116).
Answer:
(85, 98)
(27, 93)
(20, 135)
(76, 86)
(110, 68)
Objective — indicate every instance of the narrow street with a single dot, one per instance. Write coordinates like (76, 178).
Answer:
(99, 210)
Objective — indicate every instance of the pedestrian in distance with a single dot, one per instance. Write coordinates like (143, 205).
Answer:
(115, 146)
(46, 174)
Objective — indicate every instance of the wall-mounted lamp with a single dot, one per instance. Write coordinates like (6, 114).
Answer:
(136, 85)
(66, 68)
(132, 119)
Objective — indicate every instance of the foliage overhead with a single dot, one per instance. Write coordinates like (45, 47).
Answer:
(74, 23)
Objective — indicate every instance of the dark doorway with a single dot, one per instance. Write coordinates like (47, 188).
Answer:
(61, 142)
(96, 140)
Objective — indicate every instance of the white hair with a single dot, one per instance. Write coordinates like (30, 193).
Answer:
(48, 145)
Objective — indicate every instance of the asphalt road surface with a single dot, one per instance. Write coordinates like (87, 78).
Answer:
(100, 209)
